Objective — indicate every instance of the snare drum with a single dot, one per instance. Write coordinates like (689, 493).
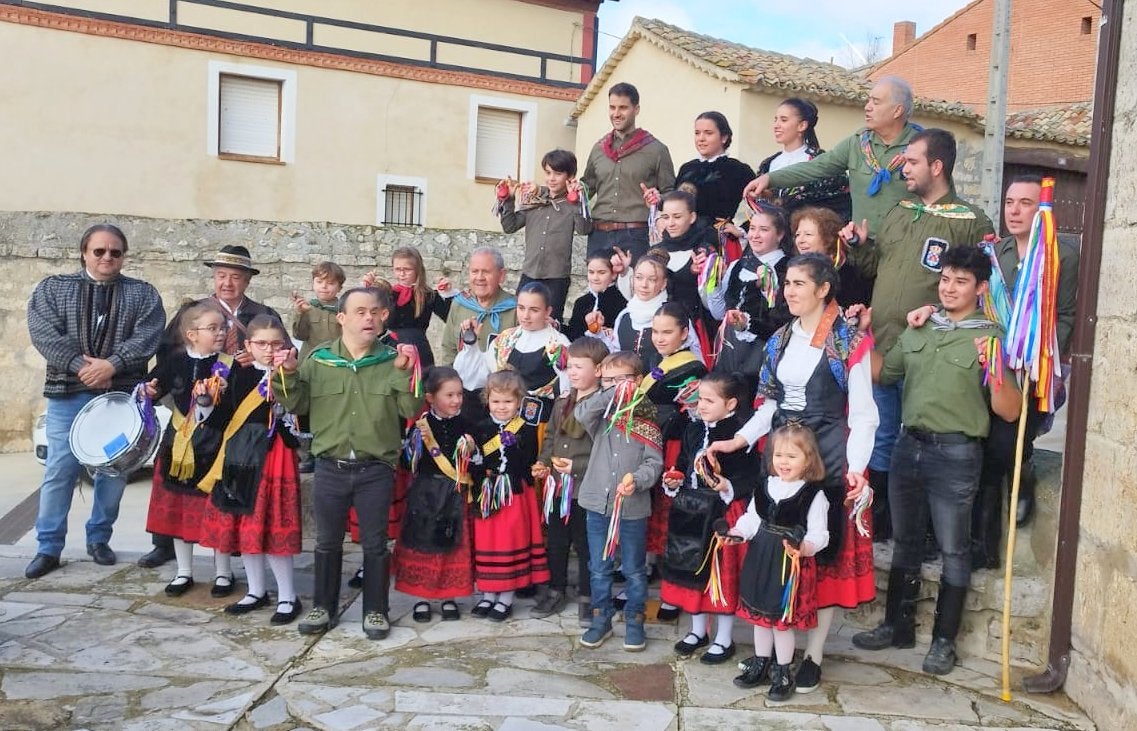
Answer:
(110, 436)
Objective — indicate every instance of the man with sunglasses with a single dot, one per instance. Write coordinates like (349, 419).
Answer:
(233, 271)
(97, 331)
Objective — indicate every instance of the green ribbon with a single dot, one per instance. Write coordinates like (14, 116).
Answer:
(943, 210)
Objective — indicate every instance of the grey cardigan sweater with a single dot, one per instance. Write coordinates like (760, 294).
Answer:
(615, 454)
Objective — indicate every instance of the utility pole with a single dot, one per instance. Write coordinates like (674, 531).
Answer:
(995, 133)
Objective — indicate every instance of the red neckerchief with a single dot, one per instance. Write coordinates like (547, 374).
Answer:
(403, 293)
(639, 139)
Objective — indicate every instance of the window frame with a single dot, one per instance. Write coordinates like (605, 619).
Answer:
(286, 78)
(382, 180)
(528, 137)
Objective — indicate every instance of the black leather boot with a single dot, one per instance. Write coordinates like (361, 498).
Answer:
(941, 656)
(899, 626)
(881, 517)
(325, 594)
(376, 593)
(987, 524)
(1024, 510)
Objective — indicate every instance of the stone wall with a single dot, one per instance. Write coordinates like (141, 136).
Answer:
(169, 254)
(1103, 669)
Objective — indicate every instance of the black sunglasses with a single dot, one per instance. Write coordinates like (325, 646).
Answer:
(100, 253)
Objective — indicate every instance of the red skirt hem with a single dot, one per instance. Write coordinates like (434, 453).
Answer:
(437, 575)
(849, 581)
(509, 546)
(174, 513)
(805, 614)
(696, 601)
(274, 526)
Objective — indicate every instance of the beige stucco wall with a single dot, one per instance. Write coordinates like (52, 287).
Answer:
(128, 135)
(1103, 668)
(503, 22)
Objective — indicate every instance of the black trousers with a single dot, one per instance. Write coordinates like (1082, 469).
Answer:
(339, 486)
(560, 538)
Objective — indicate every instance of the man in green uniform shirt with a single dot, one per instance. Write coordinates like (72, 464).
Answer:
(872, 157)
(356, 392)
(910, 245)
(935, 466)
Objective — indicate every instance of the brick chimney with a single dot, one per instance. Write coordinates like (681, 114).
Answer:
(903, 35)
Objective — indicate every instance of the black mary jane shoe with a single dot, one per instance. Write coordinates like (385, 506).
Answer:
(482, 608)
(176, 589)
(288, 617)
(666, 614)
(221, 589)
(422, 613)
(718, 658)
(686, 648)
(449, 611)
(259, 602)
(500, 612)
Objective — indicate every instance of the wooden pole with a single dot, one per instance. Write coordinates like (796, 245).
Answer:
(1013, 524)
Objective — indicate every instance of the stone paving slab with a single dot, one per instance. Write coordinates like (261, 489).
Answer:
(91, 647)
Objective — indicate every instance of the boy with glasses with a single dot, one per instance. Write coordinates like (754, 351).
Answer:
(626, 460)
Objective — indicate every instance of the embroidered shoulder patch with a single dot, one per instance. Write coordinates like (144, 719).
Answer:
(932, 254)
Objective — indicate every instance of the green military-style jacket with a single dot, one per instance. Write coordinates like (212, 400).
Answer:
(907, 255)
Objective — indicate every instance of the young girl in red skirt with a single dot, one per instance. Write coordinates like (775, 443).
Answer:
(702, 493)
(509, 549)
(254, 506)
(786, 524)
(671, 376)
(195, 378)
(434, 555)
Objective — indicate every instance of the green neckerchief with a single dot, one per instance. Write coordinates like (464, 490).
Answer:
(325, 356)
(332, 308)
(943, 210)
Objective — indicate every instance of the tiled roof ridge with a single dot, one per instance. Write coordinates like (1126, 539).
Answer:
(840, 85)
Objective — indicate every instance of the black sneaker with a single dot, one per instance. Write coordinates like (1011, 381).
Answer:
(808, 676)
(781, 683)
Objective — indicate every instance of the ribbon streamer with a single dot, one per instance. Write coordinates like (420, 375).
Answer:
(496, 494)
(416, 372)
(767, 284)
(624, 402)
(714, 582)
(653, 234)
(613, 538)
(992, 362)
(859, 509)
(711, 275)
(791, 583)
(463, 452)
(412, 449)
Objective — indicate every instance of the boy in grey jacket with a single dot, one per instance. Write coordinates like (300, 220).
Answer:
(626, 459)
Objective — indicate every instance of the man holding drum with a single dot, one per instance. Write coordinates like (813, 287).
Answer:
(97, 330)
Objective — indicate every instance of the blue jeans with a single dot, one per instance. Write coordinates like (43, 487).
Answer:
(887, 400)
(929, 478)
(60, 476)
(633, 555)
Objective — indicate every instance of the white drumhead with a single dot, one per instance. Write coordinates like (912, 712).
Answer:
(105, 428)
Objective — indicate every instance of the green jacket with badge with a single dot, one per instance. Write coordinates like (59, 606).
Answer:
(909, 245)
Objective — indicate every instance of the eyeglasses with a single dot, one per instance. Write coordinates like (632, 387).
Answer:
(619, 378)
(274, 344)
(213, 328)
(114, 253)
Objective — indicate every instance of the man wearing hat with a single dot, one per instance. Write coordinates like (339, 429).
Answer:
(232, 272)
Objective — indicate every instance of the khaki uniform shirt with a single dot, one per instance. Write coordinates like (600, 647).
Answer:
(943, 381)
(548, 236)
(908, 249)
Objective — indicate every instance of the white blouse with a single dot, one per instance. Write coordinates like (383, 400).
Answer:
(817, 519)
(794, 371)
(475, 366)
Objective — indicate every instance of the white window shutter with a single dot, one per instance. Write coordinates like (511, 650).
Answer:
(250, 117)
(498, 151)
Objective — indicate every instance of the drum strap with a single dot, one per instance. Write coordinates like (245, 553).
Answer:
(252, 401)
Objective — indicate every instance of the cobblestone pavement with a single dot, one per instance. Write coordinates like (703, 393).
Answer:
(92, 647)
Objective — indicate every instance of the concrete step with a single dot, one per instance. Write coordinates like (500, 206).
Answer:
(1032, 585)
